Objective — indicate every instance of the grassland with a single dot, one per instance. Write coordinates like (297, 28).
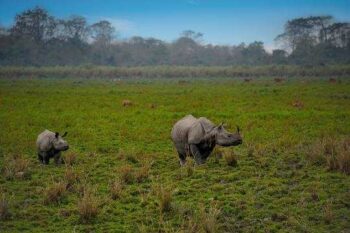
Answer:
(122, 173)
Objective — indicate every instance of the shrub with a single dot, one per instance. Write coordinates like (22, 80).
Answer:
(230, 158)
(55, 193)
(88, 206)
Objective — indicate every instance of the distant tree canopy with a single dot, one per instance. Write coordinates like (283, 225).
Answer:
(39, 39)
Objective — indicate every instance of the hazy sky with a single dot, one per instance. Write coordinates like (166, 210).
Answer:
(221, 21)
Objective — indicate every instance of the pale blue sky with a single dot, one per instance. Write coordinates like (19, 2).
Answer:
(221, 21)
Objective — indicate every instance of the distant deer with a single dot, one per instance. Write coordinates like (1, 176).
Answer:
(126, 103)
(279, 80)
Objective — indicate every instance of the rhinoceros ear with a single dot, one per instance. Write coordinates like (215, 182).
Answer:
(65, 134)
(56, 135)
(238, 129)
(196, 133)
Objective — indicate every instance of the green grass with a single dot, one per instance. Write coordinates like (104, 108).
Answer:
(273, 188)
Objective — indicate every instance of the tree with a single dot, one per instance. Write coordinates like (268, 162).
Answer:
(255, 54)
(279, 56)
(35, 24)
(339, 34)
(196, 36)
(75, 28)
(310, 30)
(102, 32)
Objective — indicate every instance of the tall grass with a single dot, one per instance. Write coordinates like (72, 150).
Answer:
(277, 71)
(332, 152)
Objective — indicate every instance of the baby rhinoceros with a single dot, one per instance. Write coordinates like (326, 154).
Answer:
(198, 137)
(50, 145)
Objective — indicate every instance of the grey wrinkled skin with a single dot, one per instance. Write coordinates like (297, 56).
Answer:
(50, 145)
(198, 137)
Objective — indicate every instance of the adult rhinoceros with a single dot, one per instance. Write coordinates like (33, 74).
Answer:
(198, 137)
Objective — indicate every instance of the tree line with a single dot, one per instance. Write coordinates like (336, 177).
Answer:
(39, 39)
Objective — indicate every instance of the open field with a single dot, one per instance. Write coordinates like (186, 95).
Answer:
(123, 175)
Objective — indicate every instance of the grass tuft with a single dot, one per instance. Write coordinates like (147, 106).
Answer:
(55, 192)
(328, 212)
(4, 207)
(16, 167)
(70, 158)
(126, 174)
(209, 220)
(88, 206)
(189, 168)
(165, 198)
(116, 189)
(142, 173)
(71, 177)
(334, 153)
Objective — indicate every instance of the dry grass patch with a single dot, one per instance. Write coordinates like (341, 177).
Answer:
(203, 221)
(71, 177)
(328, 212)
(16, 167)
(165, 197)
(217, 154)
(298, 104)
(189, 168)
(116, 189)
(4, 207)
(334, 153)
(126, 174)
(127, 103)
(142, 173)
(70, 158)
(209, 220)
(55, 192)
(88, 206)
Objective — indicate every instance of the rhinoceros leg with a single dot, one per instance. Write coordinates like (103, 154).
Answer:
(182, 158)
(181, 151)
(196, 154)
(40, 157)
(57, 158)
(46, 159)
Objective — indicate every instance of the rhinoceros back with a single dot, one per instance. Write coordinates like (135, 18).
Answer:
(43, 141)
(180, 130)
